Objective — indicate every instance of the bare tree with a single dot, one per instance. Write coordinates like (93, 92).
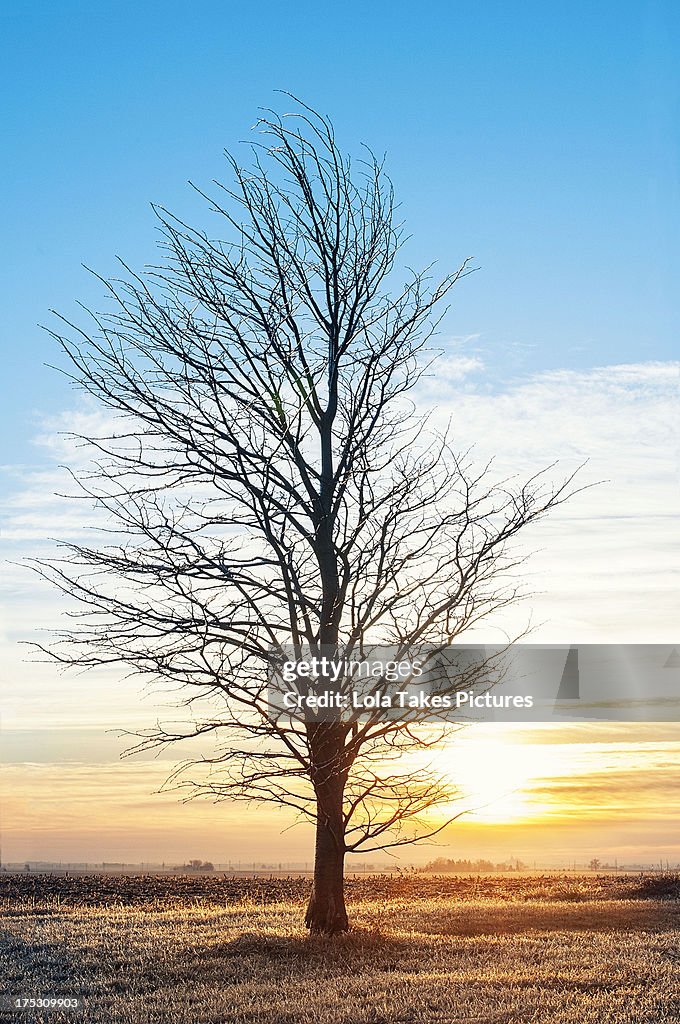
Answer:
(271, 487)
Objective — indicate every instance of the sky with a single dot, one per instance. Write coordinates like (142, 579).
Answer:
(541, 140)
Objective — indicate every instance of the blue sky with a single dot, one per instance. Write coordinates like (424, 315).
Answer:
(540, 138)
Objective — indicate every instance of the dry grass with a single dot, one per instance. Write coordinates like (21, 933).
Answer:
(571, 951)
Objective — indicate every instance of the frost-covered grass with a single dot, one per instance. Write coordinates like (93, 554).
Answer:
(494, 950)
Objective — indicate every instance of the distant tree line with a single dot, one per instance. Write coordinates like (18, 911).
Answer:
(442, 864)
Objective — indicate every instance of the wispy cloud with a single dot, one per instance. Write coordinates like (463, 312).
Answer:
(607, 566)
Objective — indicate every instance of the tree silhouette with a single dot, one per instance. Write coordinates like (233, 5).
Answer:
(271, 487)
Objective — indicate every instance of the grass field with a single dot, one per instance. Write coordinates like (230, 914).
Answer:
(568, 950)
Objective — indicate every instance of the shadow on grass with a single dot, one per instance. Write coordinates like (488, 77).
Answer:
(284, 959)
(422, 928)
(359, 943)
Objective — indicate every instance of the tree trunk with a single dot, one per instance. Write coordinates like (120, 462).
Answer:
(326, 913)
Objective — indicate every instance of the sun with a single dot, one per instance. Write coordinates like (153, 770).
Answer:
(494, 770)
